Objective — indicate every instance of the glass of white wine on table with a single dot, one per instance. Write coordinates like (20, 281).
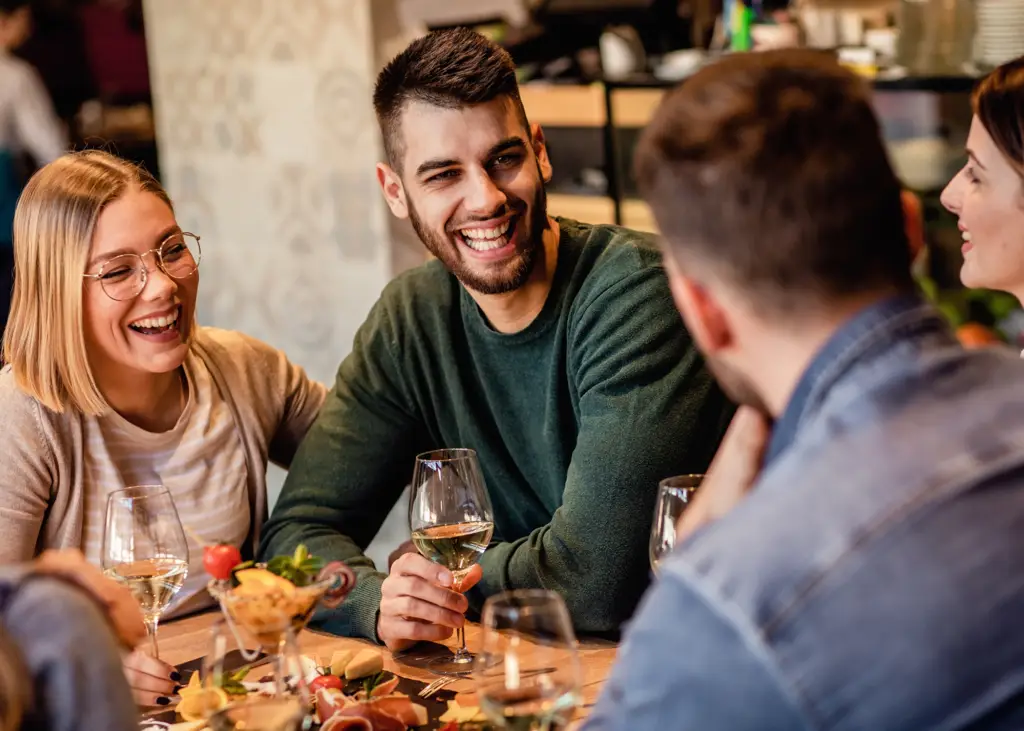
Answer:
(451, 522)
(527, 672)
(144, 548)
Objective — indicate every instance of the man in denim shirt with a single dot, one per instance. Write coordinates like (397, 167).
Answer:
(873, 577)
(61, 625)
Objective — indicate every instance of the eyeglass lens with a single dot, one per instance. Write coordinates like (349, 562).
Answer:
(123, 277)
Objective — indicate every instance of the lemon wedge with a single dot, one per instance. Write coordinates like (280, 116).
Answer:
(193, 687)
(263, 579)
(201, 704)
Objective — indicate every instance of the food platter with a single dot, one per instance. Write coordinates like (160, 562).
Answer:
(268, 605)
(437, 705)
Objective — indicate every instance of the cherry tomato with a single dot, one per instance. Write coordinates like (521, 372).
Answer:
(218, 560)
(325, 681)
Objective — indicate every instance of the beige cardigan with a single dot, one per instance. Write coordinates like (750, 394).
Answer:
(41, 458)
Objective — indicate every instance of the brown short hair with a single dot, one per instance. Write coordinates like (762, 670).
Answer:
(998, 102)
(769, 168)
(451, 69)
(44, 342)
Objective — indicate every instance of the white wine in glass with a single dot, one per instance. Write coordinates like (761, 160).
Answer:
(528, 674)
(674, 495)
(451, 523)
(144, 548)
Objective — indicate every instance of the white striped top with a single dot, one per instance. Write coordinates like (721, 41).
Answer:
(201, 461)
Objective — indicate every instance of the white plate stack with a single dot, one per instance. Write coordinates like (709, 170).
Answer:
(1000, 31)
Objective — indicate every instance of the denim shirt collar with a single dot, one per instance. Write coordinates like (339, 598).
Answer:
(840, 352)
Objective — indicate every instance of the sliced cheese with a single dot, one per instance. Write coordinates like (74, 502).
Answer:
(422, 717)
(339, 661)
(462, 714)
(367, 662)
(471, 714)
(451, 714)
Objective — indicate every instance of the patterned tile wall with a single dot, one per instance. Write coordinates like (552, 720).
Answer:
(267, 145)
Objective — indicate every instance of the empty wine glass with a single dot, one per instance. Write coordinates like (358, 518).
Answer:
(674, 494)
(451, 522)
(289, 708)
(144, 548)
(527, 673)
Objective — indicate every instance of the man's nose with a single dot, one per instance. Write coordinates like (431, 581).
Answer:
(483, 196)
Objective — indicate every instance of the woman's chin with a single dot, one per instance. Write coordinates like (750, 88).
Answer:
(165, 362)
(970, 278)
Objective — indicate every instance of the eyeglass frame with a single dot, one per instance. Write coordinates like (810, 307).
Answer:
(145, 269)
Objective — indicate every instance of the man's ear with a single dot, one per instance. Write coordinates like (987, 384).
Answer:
(913, 222)
(704, 317)
(394, 191)
(540, 149)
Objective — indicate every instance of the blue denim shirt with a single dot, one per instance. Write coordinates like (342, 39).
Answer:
(64, 642)
(874, 577)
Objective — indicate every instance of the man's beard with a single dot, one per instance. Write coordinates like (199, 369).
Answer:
(735, 385)
(513, 273)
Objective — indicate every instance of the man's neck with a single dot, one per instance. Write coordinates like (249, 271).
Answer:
(514, 311)
(791, 355)
(150, 401)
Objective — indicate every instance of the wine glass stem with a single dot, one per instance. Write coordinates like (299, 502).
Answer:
(462, 652)
(280, 675)
(151, 625)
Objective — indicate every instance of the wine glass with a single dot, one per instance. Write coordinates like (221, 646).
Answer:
(144, 548)
(674, 494)
(451, 522)
(289, 709)
(528, 674)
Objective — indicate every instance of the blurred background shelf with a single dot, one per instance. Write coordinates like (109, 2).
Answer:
(564, 105)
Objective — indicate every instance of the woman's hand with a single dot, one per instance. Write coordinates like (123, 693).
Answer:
(152, 681)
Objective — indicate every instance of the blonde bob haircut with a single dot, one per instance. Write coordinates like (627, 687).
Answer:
(53, 228)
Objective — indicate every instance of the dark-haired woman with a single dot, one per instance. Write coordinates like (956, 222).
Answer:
(987, 195)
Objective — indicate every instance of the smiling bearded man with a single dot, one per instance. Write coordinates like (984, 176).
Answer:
(549, 346)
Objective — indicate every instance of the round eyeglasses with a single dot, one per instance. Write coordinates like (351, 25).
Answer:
(124, 276)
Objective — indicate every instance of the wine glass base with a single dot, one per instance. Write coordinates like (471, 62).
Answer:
(454, 665)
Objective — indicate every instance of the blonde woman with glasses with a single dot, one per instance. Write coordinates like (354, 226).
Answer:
(110, 382)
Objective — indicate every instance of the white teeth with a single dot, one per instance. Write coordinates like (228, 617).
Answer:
(483, 234)
(965, 235)
(154, 322)
(485, 239)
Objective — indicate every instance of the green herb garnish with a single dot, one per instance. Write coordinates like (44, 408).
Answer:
(232, 684)
(300, 568)
(372, 682)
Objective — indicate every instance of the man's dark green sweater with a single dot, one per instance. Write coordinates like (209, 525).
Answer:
(575, 420)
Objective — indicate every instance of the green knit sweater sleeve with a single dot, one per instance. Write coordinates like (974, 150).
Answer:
(349, 471)
(648, 409)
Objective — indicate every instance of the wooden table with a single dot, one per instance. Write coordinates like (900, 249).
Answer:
(186, 639)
